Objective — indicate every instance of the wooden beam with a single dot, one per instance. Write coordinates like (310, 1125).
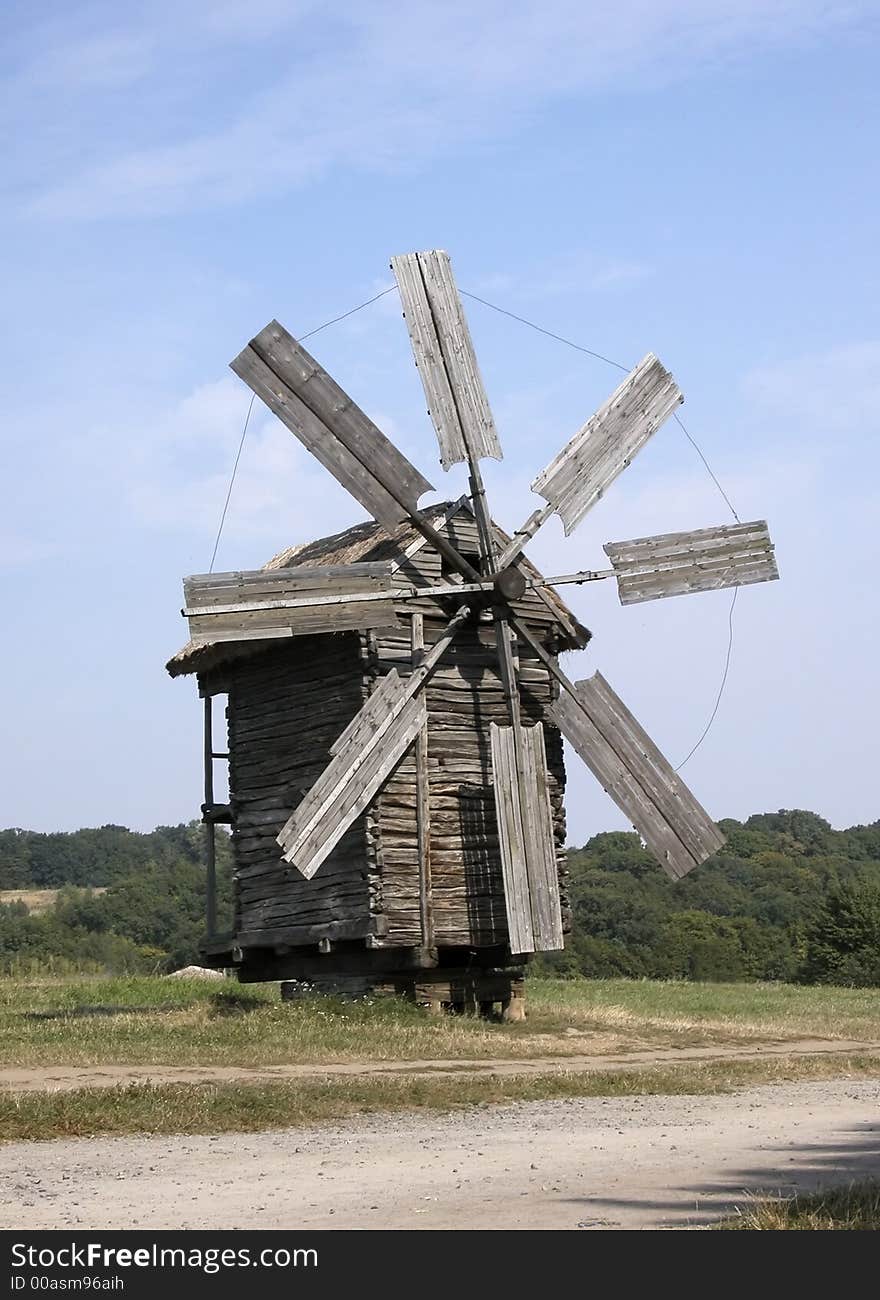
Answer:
(423, 805)
(210, 832)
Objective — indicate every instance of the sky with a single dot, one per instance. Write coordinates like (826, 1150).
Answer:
(694, 178)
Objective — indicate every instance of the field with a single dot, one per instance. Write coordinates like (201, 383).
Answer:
(87, 1056)
(181, 1022)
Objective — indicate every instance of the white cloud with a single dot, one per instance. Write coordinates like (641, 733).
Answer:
(381, 86)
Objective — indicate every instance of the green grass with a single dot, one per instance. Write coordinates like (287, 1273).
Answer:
(843, 1209)
(247, 1108)
(148, 1021)
(744, 1011)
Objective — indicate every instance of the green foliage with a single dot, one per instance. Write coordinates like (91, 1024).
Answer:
(787, 898)
(843, 944)
(148, 917)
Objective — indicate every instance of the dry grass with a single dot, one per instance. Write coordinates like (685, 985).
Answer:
(247, 1108)
(843, 1209)
(35, 900)
(39, 900)
(145, 1021)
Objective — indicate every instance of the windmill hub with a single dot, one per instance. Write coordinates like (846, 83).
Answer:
(510, 583)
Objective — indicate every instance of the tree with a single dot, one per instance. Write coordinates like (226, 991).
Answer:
(843, 944)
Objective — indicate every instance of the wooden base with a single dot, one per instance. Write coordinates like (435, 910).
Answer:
(465, 991)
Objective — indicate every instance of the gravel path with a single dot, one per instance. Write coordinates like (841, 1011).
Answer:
(639, 1162)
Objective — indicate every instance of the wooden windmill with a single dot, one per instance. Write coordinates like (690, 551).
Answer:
(395, 701)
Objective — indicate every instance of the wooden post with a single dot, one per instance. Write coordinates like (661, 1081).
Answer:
(210, 829)
(423, 806)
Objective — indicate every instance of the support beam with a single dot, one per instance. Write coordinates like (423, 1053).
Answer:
(423, 806)
(210, 832)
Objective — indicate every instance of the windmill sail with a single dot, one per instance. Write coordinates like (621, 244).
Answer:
(525, 829)
(624, 759)
(445, 357)
(605, 445)
(265, 603)
(364, 757)
(671, 564)
(327, 421)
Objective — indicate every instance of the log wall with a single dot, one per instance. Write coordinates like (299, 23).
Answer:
(286, 707)
(464, 696)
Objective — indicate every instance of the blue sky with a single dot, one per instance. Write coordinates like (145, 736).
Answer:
(697, 179)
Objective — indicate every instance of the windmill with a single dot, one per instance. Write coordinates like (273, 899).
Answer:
(488, 585)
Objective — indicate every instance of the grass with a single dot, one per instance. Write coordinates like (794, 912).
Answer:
(247, 1108)
(150, 1021)
(842, 1209)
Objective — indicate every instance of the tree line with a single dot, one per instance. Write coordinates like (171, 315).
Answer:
(787, 898)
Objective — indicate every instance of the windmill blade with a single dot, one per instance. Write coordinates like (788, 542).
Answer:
(327, 421)
(265, 603)
(365, 756)
(362, 759)
(525, 830)
(603, 447)
(671, 564)
(624, 759)
(445, 357)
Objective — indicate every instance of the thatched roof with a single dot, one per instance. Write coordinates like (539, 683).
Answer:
(359, 544)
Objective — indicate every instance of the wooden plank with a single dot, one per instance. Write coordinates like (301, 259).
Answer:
(363, 724)
(305, 577)
(294, 935)
(343, 417)
(305, 620)
(423, 799)
(357, 466)
(600, 758)
(674, 826)
(420, 542)
(445, 357)
(345, 788)
(673, 564)
(508, 810)
(540, 845)
(584, 469)
(527, 840)
(360, 765)
(671, 545)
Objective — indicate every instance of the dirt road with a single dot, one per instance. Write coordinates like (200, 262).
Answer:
(640, 1162)
(61, 1078)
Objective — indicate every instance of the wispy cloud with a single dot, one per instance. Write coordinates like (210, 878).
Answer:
(835, 391)
(370, 87)
(574, 272)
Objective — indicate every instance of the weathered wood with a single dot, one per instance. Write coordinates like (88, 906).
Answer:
(575, 480)
(358, 769)
(445, 357)
(672, 564)
(314, 434)
(305, 934)
(210, 822)
(525, 824)
(674, 826)
(335, 429)
(423, 799)
(345, 789)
